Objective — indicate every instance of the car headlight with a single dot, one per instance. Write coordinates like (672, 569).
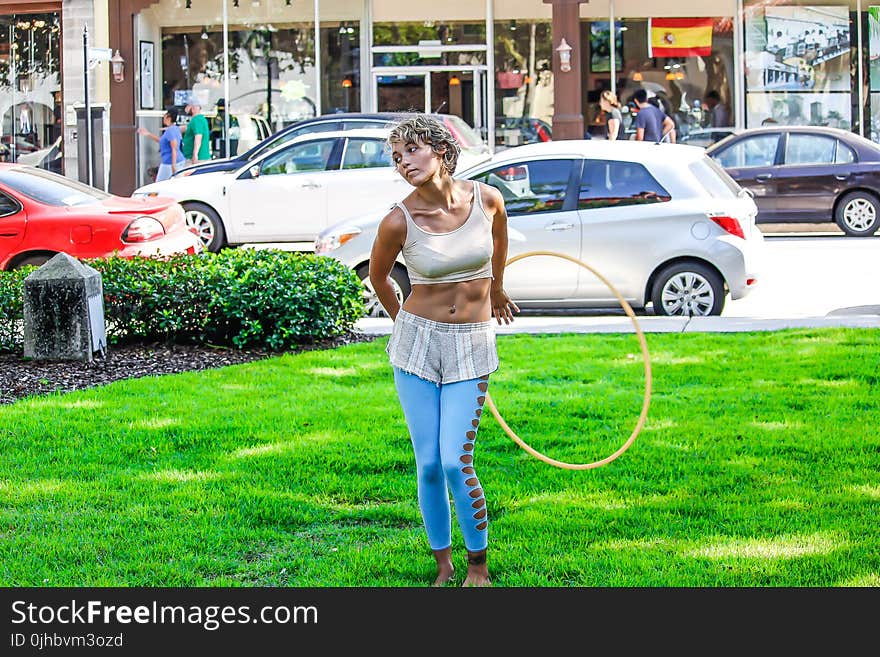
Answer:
(143, 229)
(334, 240)
(146, 194)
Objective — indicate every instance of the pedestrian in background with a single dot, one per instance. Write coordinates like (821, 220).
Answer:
(197, 137)
(170, 154)
(614, 123)
(652, 123)
(453, 238)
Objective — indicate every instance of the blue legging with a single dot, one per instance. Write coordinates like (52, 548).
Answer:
(443, 421)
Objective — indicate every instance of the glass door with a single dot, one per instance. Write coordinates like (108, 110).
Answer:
(403, 92)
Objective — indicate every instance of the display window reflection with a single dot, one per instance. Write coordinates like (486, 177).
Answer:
(31, 126)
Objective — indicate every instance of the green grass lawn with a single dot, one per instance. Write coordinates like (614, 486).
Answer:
(759, 465)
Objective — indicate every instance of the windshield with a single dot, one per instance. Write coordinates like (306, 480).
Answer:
(50, 188)
(467, 137)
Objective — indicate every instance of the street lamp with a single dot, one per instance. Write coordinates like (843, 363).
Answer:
(564, 51)
(117, 67)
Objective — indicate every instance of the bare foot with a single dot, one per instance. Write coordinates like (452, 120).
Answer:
(478, 571)
(445, 569)
(444, 576)
(477, 579)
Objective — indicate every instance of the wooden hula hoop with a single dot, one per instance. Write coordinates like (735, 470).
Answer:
(646, 357)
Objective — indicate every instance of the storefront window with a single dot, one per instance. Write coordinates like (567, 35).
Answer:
(31, 128)
(799, 61)
(271, 72)
(874, 71)
(523, 82)
(341, 61)
(682, 84)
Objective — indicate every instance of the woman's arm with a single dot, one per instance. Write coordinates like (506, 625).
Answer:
(173, 143)
(386, 247)
(146, 133)
(502, 306)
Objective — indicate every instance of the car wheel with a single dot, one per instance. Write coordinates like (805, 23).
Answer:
(207, 224)
(857, 214)
(35, 260)
(688, 289)
(399, 281)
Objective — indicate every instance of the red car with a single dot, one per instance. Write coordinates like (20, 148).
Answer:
(42, 213)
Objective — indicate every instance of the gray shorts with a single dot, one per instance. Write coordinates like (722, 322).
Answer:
(440, 351)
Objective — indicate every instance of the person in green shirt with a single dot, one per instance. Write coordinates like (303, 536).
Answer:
(196, 140)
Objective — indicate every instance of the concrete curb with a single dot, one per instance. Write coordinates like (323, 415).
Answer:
(650, 324)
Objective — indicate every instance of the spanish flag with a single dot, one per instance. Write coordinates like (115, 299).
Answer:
(679, 37)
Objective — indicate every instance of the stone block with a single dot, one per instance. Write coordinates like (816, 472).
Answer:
(64, 311)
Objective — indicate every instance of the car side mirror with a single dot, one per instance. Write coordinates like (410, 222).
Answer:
(254, 171)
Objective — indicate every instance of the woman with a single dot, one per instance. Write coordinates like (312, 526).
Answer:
(611, 106)
(453, 237)
(169, 146)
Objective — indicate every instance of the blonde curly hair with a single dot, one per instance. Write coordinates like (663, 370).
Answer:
(431, 131)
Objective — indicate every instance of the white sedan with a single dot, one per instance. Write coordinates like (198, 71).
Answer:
(664, 223)
(290, 194)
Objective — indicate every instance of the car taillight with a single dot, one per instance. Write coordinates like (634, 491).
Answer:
(730, 224)
(143, 229)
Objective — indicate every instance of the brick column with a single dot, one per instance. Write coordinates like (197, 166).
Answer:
(75, 14)
(568, 119)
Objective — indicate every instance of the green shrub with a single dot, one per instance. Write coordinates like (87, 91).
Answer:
(11, 307)
(239, 297)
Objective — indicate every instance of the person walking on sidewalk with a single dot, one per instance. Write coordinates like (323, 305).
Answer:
(453, 237)
(652, 123)
(614, 123)
(171, 157)
(196, 138)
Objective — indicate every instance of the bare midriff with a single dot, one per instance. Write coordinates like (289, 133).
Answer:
(455, 303)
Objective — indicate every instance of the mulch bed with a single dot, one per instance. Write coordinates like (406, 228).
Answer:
(20, 378)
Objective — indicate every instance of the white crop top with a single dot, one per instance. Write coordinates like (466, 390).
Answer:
(463, 254)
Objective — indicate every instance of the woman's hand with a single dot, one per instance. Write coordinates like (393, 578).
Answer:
(502, 305)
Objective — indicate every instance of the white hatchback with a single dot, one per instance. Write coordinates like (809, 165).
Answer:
(288, 195)
(663, 223)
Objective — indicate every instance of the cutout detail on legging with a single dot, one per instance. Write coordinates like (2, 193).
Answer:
(476, 492)
(466, 458)
(482, 525)
(479, 515)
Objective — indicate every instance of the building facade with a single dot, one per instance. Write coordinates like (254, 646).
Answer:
(496, 63)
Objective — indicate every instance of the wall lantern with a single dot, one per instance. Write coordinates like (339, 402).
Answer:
(346, 83)
(454, 81)
(564, 51)
(117, 67)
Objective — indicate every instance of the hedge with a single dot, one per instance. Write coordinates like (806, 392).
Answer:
(238, 297)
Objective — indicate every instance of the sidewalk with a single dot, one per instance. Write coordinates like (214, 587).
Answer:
(855, 317)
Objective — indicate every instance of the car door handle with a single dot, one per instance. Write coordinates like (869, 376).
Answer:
(14, 234)
(558, 226)
(764, 177)
(842, 176)
(310, 185)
